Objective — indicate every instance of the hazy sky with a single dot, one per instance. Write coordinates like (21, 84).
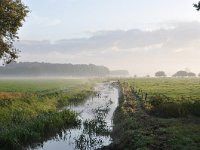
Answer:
(142, 36)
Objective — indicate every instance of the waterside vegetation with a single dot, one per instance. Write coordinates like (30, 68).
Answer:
(30, 109)
(147, 125)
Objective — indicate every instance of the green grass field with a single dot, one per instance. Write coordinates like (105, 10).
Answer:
(38, 85)
(29, 108)
(171, 87)
(168, 97)
(167, 119)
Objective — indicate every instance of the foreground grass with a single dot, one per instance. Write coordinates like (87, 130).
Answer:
(32, 114)
(135, 128)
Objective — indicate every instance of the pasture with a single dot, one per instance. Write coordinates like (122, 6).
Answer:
(29, 108)
(168, 97)
(38, 85)
(158, 113)
(176, 88)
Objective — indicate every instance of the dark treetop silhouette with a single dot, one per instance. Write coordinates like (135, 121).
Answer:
(197, 6)
(160, 74)
(33, 69)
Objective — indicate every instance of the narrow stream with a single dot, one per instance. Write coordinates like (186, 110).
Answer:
(96, 122)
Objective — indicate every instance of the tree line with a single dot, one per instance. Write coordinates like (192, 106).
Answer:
(180, 73)
(33, 69)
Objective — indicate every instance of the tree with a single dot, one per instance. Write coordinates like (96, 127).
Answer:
(12, 15)
(191, 74)
(197, 6)
(181, 74)
(160, 74)
(184, 74)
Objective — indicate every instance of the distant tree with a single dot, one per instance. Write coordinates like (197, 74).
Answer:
(197, 6)
(12, 14)
(191, 74)
(184, 74)
(181, 74)
(199, 74)
(160, 74)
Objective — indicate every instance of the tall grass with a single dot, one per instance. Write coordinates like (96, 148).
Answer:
(35, 114)
(169, 107)
(23, 132)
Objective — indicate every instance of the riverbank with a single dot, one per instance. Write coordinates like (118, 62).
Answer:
(95, 115)
(134, 128)
(29, 109)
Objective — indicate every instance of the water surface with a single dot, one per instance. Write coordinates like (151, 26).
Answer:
(95, 115)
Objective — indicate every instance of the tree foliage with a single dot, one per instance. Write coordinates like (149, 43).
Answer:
(160, 74)
(191, 74)
(184, 74)
(33, 69)
(180, 74)
(197, 6)
(12, 15)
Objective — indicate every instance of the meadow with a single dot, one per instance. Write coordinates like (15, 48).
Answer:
(168, 97)
(157, 113)
(29, 108)
(172, 87)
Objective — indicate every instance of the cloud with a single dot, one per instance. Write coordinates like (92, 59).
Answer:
(184, 34)
(160, 47)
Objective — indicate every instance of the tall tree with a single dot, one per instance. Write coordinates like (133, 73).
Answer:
(12, 15)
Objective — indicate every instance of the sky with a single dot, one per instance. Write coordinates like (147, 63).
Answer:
(140, 36)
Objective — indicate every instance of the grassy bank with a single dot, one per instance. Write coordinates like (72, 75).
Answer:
(168, 97)
(136, 128)
(29, 108)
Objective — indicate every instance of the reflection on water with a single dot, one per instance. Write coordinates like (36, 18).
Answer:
(95, 122)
